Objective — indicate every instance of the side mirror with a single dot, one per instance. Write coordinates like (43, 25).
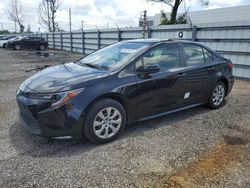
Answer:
(152, 68)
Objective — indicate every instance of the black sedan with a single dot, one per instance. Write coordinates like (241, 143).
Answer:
(127, 82)
(24, 42)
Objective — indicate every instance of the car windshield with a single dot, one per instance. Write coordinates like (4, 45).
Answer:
(113, 56)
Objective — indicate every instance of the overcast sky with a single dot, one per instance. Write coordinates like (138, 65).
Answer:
(101, 12)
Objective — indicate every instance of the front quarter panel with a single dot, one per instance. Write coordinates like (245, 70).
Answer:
(121, 86)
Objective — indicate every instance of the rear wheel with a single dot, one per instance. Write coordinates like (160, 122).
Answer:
(17, 47)
(41, 47)
(4, 45)
(104, 121)
(217, 95)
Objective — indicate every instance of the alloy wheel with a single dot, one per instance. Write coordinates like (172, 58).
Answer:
(107, 122)
(18, 47)
(218, 94)
(42, 47)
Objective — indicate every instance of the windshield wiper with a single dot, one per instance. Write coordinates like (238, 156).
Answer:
(91, 65)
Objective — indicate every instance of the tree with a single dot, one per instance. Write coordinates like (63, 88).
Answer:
(174, 4)
(4, 32)
(47, 14)
(15, 13)
(28, 30)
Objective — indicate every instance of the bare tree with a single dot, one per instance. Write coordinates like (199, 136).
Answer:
(15, 13)
(47, 14)
(174, 4)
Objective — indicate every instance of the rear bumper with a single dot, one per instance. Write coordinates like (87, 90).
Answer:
(230, 84)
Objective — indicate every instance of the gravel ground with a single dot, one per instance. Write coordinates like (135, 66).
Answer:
(193, 148)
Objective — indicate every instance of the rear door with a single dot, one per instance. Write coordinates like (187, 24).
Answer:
(27, 42)
(161, 91)
(200, 70)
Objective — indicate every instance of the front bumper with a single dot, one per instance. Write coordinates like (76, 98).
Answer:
(53, 123)
(9, 45)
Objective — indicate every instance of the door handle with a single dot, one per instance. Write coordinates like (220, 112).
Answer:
(176, 76)
(211, 69)
(181, 75)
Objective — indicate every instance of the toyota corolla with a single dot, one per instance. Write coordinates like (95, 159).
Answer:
(123, 83)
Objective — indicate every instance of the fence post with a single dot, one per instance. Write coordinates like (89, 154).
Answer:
(47, 37)
(61, 39)
(149, 32)
(53, 38)
(194, 31)
(119, 35)
(83, 41)
(98, 39)
(71, 45)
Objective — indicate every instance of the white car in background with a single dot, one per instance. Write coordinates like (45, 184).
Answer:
(4, 41)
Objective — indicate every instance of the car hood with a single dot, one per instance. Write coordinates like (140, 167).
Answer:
(62, 77)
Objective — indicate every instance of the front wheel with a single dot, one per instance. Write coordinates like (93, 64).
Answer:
(217, 95)
(104, 121)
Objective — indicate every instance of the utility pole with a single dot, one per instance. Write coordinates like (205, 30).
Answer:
(144, 18)
(69, 19)
(15, 26)
(82, 24)
(107, 25)
(48, 15)
(1, 26)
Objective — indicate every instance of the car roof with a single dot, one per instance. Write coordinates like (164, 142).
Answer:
(155, 41)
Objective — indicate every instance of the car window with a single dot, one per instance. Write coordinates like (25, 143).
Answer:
(194, 54)
(166, 55)
(208, 55)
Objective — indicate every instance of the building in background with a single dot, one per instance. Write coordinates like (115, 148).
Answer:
(150, 21)
(237, 13)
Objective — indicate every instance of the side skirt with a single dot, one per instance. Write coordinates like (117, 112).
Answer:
(170, 112)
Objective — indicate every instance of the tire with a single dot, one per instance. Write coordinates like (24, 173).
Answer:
(41, 47)
(4, 45)
(217, 95)
(104, 121)
(17, 47)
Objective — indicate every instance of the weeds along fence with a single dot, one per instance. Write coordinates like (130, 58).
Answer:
(231, 39)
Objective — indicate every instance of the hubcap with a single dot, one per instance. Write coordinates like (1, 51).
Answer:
(18, 47)
(42, 47)
(218, 95)
(107, 122)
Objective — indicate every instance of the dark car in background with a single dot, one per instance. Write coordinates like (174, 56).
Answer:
(127, 82)
(27, 42)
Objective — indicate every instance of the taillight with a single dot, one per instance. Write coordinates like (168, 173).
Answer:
(230, 65)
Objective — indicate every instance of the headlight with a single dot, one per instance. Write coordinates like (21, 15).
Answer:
(57, 99)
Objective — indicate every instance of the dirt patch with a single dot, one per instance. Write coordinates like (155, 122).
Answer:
(202, 171)
(234, 140)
